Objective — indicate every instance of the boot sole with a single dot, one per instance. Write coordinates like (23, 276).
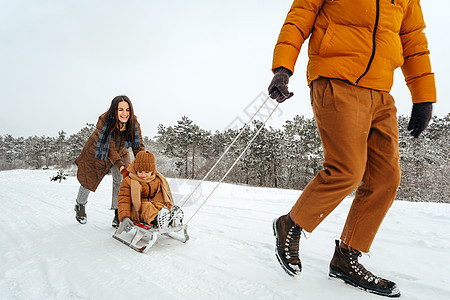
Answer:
(283, 264)
(81, 220)
(341, 277)
(163, 219)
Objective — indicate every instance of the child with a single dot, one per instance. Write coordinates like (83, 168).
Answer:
(145, 195)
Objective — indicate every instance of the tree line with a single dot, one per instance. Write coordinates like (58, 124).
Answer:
(281, 158)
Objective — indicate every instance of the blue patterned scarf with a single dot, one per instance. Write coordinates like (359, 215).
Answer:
(102, 147)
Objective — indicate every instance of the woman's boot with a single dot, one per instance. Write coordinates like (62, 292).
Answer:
(116, 222)
(80, 213)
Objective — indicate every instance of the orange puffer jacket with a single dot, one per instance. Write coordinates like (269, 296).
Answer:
(360, 41)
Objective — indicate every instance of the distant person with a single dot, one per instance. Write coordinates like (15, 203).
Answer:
(354, 48)
(105, 150)
(145, 195)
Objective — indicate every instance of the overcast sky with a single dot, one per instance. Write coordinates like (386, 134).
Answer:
(62, 62)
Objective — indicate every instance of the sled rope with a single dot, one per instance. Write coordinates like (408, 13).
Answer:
(235, 162)
(226, 150)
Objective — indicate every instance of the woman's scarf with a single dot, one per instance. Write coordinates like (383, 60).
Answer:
(102, 147)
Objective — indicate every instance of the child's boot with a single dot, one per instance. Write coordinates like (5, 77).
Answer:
(163, 218)
(176, 215)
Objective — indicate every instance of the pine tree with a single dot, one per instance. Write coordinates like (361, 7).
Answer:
(275, 156)
(47, 144)
(183, 141)
(60, 148)
(34, 152)
(303, 151)
(77, 141)
(8, 152)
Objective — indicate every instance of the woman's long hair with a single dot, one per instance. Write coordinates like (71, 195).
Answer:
(112, 120)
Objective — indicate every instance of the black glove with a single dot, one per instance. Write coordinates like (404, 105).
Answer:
(420, 117)
(278, 88)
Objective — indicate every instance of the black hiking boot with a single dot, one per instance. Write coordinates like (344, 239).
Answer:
(115, 221)
(345, 266)
(80, 213)
(287, 235)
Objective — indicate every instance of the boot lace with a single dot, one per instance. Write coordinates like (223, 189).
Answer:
(292, 244)
(361, 270)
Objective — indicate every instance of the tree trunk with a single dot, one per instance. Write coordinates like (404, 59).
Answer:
(193, 160)
(186, 166)
(275, 174)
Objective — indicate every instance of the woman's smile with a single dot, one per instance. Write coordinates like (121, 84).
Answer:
(123, 111)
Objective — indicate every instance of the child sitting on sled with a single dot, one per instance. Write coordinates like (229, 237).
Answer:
(145, 195)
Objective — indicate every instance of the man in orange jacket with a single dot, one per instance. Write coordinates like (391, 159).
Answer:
(354, 48)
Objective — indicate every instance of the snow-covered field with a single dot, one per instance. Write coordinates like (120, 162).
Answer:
(46, 254)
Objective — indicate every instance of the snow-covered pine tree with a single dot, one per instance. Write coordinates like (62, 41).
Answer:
(276, 156)
(303, 151)
(59, 149)
(8, 150)
(183, 141)
(47, 144)
(34, 152)
(76, 142)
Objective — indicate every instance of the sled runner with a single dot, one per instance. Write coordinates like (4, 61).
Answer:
(143, 235)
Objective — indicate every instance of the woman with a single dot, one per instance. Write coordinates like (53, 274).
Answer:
(106, 149)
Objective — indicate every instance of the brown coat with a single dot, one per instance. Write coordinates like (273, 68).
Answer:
(154, 195)
(92, 170)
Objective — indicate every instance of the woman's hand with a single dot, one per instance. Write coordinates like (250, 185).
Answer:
(124, 171)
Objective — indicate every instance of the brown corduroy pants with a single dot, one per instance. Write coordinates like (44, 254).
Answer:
(359, 132)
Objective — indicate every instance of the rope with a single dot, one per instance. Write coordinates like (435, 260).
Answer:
(235, 162)
(226, 150)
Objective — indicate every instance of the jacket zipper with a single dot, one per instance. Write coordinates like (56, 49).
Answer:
(149, 192)
(373, 43)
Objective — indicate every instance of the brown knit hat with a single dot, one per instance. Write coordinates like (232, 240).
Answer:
(145, 161)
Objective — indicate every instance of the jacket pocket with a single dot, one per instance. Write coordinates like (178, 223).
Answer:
(346, 40)
(326, 41)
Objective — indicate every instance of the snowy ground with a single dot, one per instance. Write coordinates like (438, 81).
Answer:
(46, 254)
